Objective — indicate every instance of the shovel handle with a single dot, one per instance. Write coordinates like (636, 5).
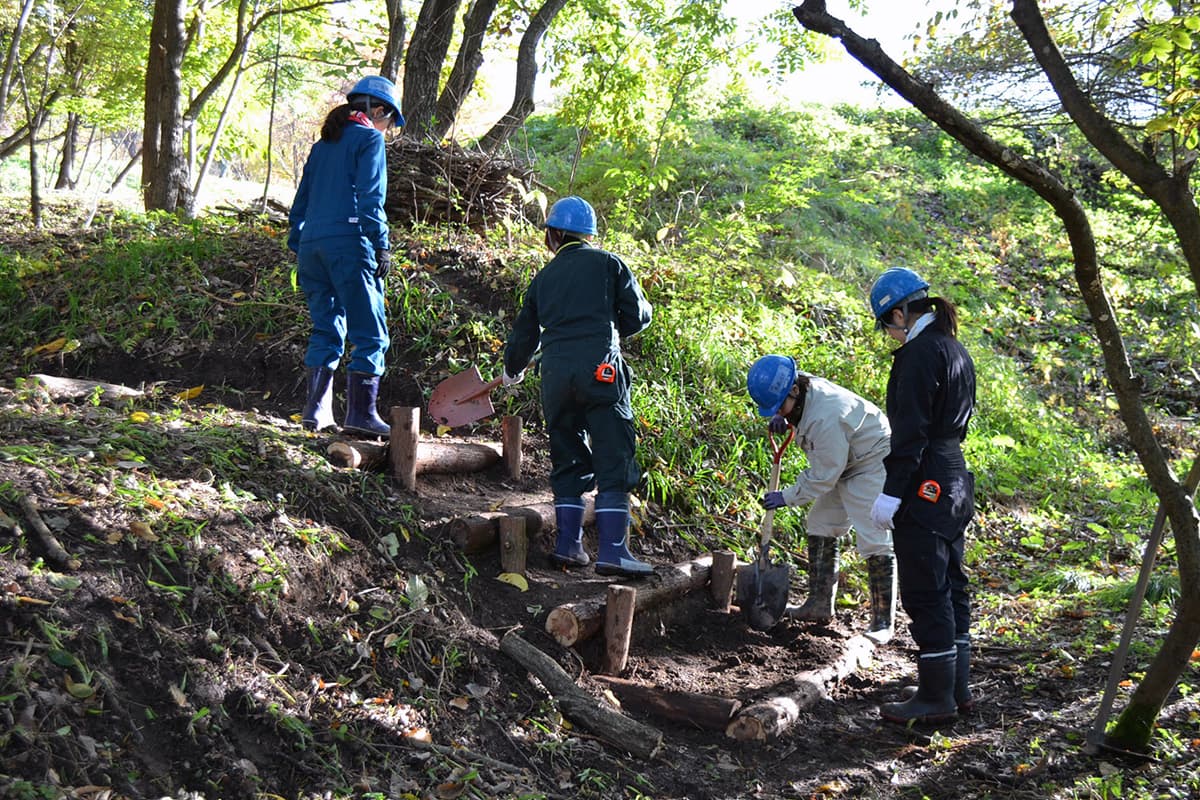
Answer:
(772, 485)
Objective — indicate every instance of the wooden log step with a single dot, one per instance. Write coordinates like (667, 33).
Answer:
(704, 711)
(572, 623)
(769, 718)
(478, 532)
(577, 705)
(438, 457)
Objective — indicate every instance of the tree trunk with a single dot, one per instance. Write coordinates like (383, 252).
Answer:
(423, 64)
(1133, 730)
(522, 105)
(13, 57)
(67, 158)
(1172, 194)
(393, 51)
(466, 66)
(165, 181)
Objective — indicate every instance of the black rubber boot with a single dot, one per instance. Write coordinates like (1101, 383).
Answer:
(934, 700)
(962, 676)
(881, 576)
(362, 390)
(318, 408)
(612, 526)
(822, 581)
(568, 546)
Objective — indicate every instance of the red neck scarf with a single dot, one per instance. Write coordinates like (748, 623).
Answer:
(361, 118)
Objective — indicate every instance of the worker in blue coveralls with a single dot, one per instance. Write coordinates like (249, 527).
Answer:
(339, 232)
(577, 309)
(928, 496)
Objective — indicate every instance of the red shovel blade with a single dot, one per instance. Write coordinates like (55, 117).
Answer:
(461, 399)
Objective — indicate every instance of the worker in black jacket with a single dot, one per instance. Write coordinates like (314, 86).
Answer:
(577, 310)
(928, 495)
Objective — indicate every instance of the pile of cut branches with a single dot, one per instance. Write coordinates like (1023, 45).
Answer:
(447, 183)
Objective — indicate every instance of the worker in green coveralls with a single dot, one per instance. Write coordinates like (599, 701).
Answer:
(577, 310)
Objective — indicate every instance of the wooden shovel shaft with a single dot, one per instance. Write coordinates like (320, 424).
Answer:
(764, 538)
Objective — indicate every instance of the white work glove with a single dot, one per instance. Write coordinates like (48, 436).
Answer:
(884, 509)
(512, 380)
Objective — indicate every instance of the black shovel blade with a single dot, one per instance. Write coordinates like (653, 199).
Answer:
(762, 594)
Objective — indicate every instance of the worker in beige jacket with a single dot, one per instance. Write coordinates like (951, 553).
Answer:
(845, 438)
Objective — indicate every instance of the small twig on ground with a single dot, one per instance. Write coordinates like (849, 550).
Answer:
(54, 551)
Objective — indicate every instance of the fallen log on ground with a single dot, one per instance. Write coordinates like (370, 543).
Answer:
(431, 456)
(480, 531)
(615, 728)
(75, 388)
(704, 711)
(572, 623)
(769, 718)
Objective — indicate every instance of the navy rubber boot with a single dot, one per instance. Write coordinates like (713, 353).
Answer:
(318, 408)
(612, 525)
(568, 546)
(934, 699)
(362, 390)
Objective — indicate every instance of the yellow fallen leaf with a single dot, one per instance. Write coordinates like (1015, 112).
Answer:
(139, 417)
(190, 394)
(51, 347)
(513, 579)
(442, 430)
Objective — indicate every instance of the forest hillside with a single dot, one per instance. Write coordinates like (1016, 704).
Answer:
(198, 603)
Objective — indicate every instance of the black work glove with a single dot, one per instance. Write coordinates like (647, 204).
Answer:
(778, 425)
(383, 263)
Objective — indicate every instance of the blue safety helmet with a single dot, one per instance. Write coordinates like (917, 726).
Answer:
(574, 215)
(769, 381)
(378, 88)
(896, 287)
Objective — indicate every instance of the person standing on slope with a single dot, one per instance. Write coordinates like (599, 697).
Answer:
(339, 233)
(577, 310)
(928, 497)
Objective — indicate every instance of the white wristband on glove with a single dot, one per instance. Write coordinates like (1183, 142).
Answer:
(512, 380)
(884, 509)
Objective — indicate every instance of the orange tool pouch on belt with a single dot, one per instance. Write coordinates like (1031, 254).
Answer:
(929, 490)
(606, 372)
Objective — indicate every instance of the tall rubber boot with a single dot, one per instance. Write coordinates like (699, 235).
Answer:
(568, 546)
(362, 390)
(822, 581)
(318, 408)
(881, 577)
(934, 700)
(612, 525)
(962, 676)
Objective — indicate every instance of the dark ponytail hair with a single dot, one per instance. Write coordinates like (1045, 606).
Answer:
(335, 122)
(946, 320)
